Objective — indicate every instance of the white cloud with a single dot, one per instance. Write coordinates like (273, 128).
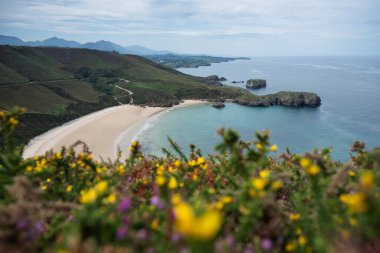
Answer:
(311, 20)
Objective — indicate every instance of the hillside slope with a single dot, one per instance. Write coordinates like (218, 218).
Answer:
(60, 84)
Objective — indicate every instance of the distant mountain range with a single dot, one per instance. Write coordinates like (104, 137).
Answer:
(101, 45)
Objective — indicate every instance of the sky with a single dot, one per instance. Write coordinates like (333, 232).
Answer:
(217, 27)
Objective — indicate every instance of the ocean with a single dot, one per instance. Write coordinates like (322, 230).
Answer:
(348, 86)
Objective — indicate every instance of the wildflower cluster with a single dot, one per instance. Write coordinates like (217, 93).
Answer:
(240, 199)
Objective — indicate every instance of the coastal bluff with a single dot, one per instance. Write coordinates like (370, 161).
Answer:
(286, 98)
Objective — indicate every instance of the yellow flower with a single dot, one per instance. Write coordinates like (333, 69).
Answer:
(110, 199)
(172, 170)
(13, 121)
(160, 180)
(290, 247)
(154, 224)
(192, 163)
(173, 184)
(219, 205)
(184, 218)
(88, 196)
(204, 166)
(273, 148)
(276, 185)
(356, 202)
(259, 183)
(176, 199)
(305, 162)
(195, 177)
(69, 188)
(202, 228)
(294, 216)
(160, 170)
(313, 170)
(207, 225)
(120, 170)
(367, 180)
(302, 240)
(44, 187)
(177, 163)
(298, 231)
(29, 169)
(200, 160)
(264, 173)
(181, 184)
(58, 156)
(101, 187)
(48, 180)
(226, 199)
(259, 146)
(351, 173)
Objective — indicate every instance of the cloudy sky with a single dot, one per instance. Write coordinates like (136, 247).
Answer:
(219, 27)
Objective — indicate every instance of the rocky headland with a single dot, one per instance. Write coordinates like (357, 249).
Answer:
(286, 98)
(215, 80)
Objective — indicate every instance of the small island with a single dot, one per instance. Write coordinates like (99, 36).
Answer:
(256, 83)
(218, 105)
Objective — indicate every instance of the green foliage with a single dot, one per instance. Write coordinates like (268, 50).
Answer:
(239, 199)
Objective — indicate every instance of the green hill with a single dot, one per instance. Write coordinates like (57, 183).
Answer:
(60, 84)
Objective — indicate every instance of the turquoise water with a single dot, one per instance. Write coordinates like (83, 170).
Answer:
(350, 110)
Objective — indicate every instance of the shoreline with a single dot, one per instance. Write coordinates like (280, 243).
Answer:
(130, 134)
(102, 130)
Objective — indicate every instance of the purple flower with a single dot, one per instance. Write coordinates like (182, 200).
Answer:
(175, 237)
(248, 249)
(266, 244)
(230, 240)
(121, 232)
(125, 204)
(142, 234)
(39, 227)
(22, 224)
(157, 202)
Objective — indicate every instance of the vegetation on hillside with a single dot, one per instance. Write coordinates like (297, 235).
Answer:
(59, 84)
(240, 199)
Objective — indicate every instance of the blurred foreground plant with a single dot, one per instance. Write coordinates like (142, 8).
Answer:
(241, 199)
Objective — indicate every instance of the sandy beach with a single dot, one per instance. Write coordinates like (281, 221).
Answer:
(101, 130)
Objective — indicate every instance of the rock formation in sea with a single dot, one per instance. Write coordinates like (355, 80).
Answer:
(256, 83)
(218, 105)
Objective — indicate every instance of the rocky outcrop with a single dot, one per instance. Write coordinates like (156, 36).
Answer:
(218, 105)
(237, 81)
(286, 98)
(256, 83)
(215, 80)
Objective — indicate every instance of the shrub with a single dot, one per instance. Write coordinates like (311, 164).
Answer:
(240, 199)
